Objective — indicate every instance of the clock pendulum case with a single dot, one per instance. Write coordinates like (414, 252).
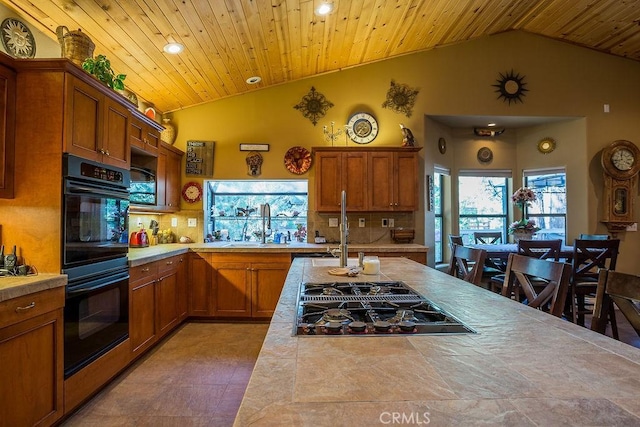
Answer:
(621, 164)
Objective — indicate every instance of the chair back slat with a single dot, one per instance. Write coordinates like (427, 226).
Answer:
(522, 269)
(589, 256)
(487, 237)
(542, 249)
(624, 290)
(466, 263)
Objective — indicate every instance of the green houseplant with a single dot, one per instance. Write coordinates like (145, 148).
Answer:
(100, 67)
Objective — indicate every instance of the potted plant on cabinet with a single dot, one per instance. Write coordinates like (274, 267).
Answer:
(100, 67)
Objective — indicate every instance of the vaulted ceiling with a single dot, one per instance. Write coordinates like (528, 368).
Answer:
(228, 41)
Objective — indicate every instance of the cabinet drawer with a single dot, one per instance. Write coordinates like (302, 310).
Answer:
(29, 306)
(168, 264)
(143, 271)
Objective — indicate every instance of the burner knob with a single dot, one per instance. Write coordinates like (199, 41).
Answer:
(333, 328)
(357, 327)
(381, 326)
(407, 326)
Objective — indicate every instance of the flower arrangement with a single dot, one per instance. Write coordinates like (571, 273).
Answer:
(300, 233)
(523, 197)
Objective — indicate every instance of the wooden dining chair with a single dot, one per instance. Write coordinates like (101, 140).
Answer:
(541, 249)
(521, 273)
(589, 256)
(455, 240)
(487, 237)
(620, 289)
(466, 263)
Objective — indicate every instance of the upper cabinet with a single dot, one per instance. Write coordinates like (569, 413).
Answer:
(377, 179)
(144, 135)
(97, 127)
(7, 127)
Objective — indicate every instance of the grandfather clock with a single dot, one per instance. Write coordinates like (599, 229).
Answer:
(621, 163)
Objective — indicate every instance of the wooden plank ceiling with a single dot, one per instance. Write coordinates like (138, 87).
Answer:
(228, 41)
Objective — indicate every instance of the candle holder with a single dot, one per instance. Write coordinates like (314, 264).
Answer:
(333, 135)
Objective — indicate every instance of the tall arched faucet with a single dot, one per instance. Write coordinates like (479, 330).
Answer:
(265, 212)
(344, 230)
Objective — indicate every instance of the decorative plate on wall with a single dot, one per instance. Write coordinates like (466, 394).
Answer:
(546, 145)
(17, 39)
(297, 160)
(442, 145)
(485, 155)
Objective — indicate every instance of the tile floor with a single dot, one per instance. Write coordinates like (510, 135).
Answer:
(195, 377)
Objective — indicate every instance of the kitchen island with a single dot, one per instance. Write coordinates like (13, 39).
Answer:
(523, 367)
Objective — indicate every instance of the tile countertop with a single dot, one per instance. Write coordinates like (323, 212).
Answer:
(139, 256)
(524, 367)
(17, 286)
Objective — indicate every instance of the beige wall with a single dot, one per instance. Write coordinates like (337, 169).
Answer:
(563, 80)
(46, 47)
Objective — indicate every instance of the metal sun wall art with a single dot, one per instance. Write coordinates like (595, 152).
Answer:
(400, 98)
(511, 87)
(313, 105)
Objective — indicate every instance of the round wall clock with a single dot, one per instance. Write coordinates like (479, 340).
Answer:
(192, 192)
(17, 39)
(485, 155)
(546, 145)
(621, 159)
(362, 128)
(442, 145)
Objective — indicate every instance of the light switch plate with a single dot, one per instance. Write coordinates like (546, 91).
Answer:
(392, 222)
(333, 222)
(361, 222)
(192, 222)
(174, 222)
(632, 227)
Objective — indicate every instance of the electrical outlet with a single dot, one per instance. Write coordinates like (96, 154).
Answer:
(333, 222)
(361, 222)
(632, 227)
(139, 222)
(392, 222)
(174, 222)
(385, 222)
(192, 222)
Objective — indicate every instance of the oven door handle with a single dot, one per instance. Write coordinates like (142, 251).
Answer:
(79, 189)
(102, 284)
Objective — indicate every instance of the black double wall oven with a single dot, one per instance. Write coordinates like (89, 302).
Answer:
(94, 256)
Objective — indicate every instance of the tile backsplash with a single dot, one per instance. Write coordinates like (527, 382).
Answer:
(165, 222)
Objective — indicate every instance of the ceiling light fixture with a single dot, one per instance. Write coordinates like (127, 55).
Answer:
(173, 48)
(324, 9)
(491, 124)
(254, 80)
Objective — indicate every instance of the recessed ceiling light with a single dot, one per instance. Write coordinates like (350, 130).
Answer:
(173, 48)
(253, 80)
(324, 9)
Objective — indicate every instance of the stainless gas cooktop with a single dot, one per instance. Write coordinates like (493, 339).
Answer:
(370, 309)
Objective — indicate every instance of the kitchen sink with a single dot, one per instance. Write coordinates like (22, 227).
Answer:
(333, 262)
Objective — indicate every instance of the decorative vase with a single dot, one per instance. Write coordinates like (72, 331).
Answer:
(168, 135)
(522, 235)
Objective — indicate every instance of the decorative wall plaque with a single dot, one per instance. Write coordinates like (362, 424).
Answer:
(511, 87)
(400, 98)
(199, 158)
(313, 105)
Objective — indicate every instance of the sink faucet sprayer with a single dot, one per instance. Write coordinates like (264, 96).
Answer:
(344, 230)
(265, 212)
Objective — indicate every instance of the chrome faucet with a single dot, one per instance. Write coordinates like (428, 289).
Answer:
(265, 213)
(344, 230)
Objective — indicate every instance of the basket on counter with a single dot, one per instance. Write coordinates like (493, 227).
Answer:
(403, 235)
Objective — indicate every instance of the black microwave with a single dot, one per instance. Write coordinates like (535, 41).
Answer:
(143, 186)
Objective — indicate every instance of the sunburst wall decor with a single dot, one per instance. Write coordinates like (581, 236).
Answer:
(511, 87)
(313, 105)
(17, 39)
(400, 98)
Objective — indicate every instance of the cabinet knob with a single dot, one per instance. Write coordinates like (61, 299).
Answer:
(106, 152)
(169, 262)
(145, 270)
(28, 307)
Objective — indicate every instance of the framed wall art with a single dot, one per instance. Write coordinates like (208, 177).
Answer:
(199, 158)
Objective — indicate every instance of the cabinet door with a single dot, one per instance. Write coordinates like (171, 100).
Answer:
(161, 180)
(354, 180)
(167, 302)
(31, 371)
(7, 129)
(328, 182)
(199, 273)
(172, 180)
(116, 150)
(142, 315)
(406, 182)
(267, 282)
(380, 188)
(143, 137)
(182, 290)
(152, 139)
(83, 129)
(231, 289)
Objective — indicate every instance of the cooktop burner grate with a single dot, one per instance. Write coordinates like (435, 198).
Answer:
(360, 298)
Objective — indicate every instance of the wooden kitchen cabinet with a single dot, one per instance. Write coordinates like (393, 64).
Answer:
(393, 183)
(337, 171)
(31, 351)
(142, 307)
(96, 126)
(168, 178)
(7, 129)
(377, 179)
(167, 294)
(199, 274)
(144, 135)
(247, 284)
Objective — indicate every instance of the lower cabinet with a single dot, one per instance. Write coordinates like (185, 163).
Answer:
(247, 285)
(31, 355)
(157, 301)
